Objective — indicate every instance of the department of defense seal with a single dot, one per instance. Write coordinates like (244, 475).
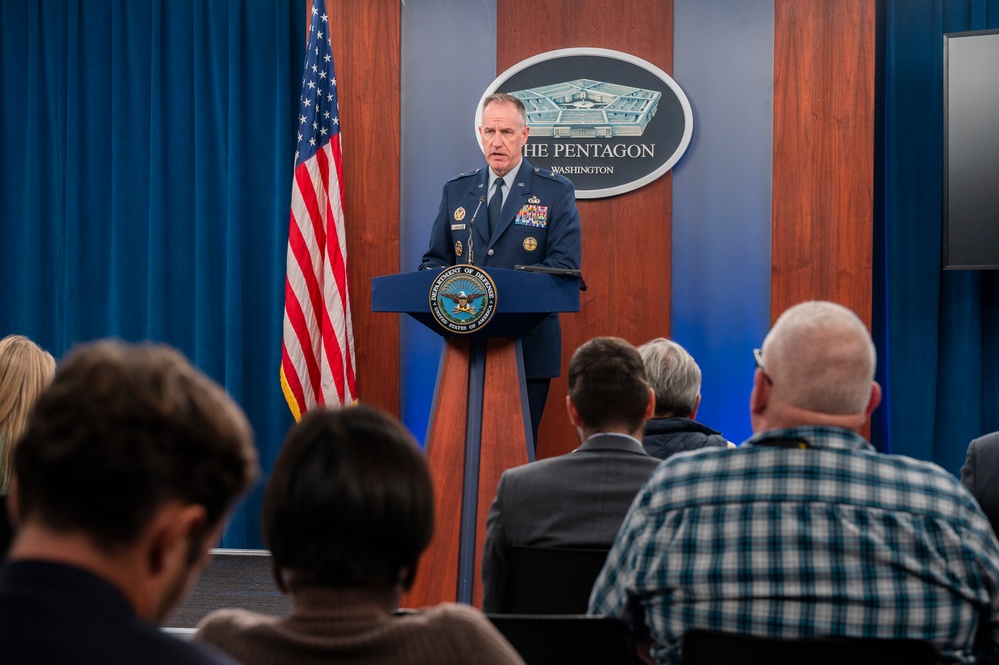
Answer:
(462, 299)
(530, 244)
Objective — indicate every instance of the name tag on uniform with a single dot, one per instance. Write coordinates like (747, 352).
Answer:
(457, 227)
(532, 215)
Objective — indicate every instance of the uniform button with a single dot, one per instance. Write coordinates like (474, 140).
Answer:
(491, 252)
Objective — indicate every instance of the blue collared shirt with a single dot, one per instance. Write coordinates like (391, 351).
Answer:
(832, 540)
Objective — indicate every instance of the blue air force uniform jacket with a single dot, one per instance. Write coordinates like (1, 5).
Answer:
(539, 225)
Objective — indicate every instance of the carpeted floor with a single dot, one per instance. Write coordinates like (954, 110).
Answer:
(233, 578)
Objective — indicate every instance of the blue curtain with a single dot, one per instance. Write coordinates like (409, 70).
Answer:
(937, 332)
(147, 151)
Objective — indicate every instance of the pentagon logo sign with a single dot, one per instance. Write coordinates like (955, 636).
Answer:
(463, 299)
(609, 121)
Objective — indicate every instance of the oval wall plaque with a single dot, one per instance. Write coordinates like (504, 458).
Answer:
(609, 121)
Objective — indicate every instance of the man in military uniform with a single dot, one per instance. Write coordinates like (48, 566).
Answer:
(523, 216)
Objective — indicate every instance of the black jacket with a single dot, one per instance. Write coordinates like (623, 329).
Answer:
(665, 436)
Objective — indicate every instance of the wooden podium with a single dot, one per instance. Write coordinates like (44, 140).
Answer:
(480, 423)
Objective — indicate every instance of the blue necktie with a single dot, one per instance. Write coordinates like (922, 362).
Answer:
(495, 205)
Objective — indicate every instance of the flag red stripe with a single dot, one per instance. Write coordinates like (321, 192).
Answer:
(300, 249)
(291, 378)
(307, 190)
(298, 323)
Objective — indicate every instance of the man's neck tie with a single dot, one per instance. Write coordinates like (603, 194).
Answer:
(495, 205)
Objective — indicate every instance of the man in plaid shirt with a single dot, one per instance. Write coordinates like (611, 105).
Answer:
(805, 530)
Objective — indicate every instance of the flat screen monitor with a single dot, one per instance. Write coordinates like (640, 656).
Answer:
(971, 151)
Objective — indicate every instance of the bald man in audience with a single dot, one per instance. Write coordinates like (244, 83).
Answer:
(805, 530)
(123, 478)
(579, 499)
(676, 380)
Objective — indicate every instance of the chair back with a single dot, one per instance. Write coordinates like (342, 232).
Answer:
(710, 647)
(576, 639)
(549, 580)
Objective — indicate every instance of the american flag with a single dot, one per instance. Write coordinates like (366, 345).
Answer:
(317, 356)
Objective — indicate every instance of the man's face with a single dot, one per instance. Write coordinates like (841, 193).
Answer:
(503, 136)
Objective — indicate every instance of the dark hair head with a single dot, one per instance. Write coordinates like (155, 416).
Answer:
(122, 430)
(607, 384)
(350, 501)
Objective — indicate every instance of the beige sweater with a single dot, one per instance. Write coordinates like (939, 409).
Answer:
(356, 626)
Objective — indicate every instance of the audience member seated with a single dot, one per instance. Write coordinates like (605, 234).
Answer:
(676, 380)
(127, 468)
(347, 512)
(805, 531)
(578, 499)
(980, 474)
(24, 370)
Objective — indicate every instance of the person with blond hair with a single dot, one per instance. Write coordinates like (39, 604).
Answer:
(25, 368)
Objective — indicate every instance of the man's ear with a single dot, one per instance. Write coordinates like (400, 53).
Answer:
(697, 404)
(760, 397)
(174, 531)
(874, 400)
(650, 408)
(571, 410)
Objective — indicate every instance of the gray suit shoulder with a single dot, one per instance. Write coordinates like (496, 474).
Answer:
(990, 439)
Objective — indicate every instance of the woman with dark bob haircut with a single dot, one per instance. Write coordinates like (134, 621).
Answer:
(347, 513)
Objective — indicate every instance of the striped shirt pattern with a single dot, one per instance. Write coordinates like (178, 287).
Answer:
(832, 540)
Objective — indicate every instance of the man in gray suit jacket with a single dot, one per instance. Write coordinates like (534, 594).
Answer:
(980, 474)
(579, 499)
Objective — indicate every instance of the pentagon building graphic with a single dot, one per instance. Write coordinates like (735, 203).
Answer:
(588, 109)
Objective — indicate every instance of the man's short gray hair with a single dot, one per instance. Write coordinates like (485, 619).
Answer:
(506, 98)
(820, 356)
(673, 375)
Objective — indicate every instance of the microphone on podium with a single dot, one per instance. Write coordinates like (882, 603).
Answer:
(471, 226)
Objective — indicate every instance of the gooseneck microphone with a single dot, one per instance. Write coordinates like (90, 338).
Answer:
(471, 227)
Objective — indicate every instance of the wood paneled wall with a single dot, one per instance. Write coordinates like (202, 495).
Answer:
(823, 191)
(823, 170)
(626, 238)
(366, 37)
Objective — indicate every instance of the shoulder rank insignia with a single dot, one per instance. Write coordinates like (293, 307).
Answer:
(465, 174)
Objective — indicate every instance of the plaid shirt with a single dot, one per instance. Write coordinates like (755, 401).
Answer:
(832, 540)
